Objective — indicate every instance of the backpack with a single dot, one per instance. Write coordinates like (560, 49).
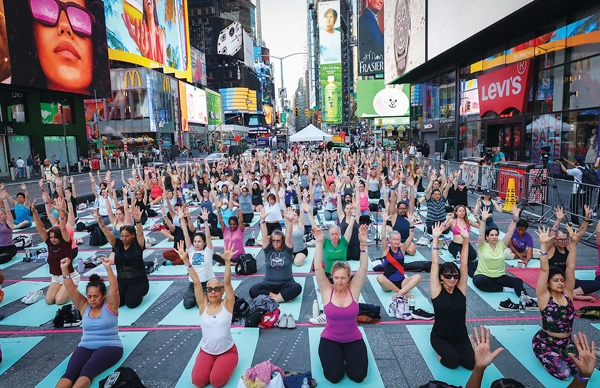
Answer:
(438, 384)
(240, 308)
(399, 307)
(97, 238)
(246, 265)
(122, 377)
(67, 316)
(589, 176)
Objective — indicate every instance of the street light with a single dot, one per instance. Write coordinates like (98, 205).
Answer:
(62, 113)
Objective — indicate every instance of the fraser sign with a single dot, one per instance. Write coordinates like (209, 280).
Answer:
(505, 88)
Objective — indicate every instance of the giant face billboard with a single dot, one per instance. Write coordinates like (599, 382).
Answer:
(405, 37)
(55, 45)
(370, 37)
(330, 38)
(150, 33)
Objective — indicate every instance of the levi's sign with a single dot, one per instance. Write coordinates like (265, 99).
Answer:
(505, 88)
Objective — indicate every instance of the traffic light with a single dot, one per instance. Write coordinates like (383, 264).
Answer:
(297, 111)
(307, 112)
(277, 117)
(96, 135)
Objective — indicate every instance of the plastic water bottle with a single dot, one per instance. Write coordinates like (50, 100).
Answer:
(522, 303)
(305, 383)
(315, 308)
(80, 266)
(155, 264)
(457, 261)
(411, 303)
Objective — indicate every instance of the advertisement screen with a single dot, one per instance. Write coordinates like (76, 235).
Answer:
(370, 37)
(237, 100)
(198, 66)
(74, 61)
(268, 111)
(331, 84)
(248, 50)
(329, 32)
(404, 38)
(375, 99)
(193, 104)
(229, 38)
(215, 107)
(150, 33)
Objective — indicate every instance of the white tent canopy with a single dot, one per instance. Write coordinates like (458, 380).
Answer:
(310, 133)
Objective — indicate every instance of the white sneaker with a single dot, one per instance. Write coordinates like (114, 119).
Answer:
(38, 295)
(29, 295)
(320, 320)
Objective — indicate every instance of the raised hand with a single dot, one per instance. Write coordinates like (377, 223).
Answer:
(385, 217)
(183, 255)
(437, 230)
(318, 234)
(464, 233)
(481, 345)
(23, 186)
(516, 212)
(410, 216)
(559, 213)
(586, 359)
(64, 263)
(204, 214)
(106, 262)
(485, 214)
(226, 256)
(262, 214)
(544, 235)
(363, 234)
(588, 212)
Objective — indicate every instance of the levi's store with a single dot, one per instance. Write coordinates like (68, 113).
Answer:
(543, 88)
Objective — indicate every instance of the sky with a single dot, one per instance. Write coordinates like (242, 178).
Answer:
(284, 32)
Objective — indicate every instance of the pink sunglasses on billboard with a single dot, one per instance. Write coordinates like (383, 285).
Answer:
(47, 12)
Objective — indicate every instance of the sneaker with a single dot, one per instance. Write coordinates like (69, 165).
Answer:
(282, 324)
(531, 305)
(73, 319)
(508, 305)
(423, 241)
(29, 295)
(320, 320)
(422, 314)
(291, 322)
(38, 295)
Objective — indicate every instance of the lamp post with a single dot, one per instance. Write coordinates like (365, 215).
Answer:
(62, 113)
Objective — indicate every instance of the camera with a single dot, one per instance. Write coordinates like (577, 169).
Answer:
(488, 154)
(545, 154)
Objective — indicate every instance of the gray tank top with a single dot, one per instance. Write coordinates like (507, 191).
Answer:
(245, 203)
(298, 237)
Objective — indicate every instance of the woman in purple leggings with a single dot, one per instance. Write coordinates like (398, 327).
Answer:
(100, 346)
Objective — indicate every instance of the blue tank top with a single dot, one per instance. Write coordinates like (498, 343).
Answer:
(389, 270)
(22, 213)
(100, 332)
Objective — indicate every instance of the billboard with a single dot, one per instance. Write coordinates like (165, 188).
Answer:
(375, 99)
(239, 100)
(37, 54)
(405, 37)
(215, 107)
(193, 105)
(248, 50)
(370, 37)
(198, 66)
(230, 38)
(268, 111)
(150, 33)
(330, 38)
(331, 85)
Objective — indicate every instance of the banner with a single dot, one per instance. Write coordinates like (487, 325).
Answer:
(198, 66)
(331, 86)
(150, 33)
(505, 88)
(377, 100)
(330, 38)
(35, 54)
(370, 37)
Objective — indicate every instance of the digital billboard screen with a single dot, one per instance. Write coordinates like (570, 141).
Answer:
(229, 38)
(198, 66)
(375, 99)
(37, 54)
(370, 37)
(150, 33)
(215, 107)
(330, 39)
(193, 104)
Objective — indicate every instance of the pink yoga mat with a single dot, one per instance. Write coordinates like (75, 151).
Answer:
(530, 276)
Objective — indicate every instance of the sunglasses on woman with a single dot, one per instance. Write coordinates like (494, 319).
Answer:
(451, 275)
(47, 12)
(215, 289)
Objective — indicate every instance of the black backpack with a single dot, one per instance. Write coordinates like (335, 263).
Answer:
(240, 308)
(589, 176)
(122, 377)
(246, 265)
(97, 238)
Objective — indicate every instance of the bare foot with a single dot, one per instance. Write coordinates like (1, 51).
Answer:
(584, 298)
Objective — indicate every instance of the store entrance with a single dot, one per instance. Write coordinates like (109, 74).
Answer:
(508, 135)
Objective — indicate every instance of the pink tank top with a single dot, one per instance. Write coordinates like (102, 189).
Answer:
(364, 202)
(341, 323)
(456, 228)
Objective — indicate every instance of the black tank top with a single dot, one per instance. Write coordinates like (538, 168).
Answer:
(353, 251)
(559, 260)
(450, 311)
(129, 262)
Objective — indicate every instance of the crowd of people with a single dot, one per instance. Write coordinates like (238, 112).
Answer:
(296, 197)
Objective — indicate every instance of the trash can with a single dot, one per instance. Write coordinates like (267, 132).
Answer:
(94, 163)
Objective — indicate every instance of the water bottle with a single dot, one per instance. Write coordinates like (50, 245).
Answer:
(80, 266)
(458, 259)
(315, 308)
(305, 383)
(522, 303)
(155, 264)
(411, 303)
(33, 254)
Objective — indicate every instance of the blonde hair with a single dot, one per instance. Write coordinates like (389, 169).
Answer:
(341, 265)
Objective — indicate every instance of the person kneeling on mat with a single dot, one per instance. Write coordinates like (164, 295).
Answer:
(128, 256)
(342, 349)
(218, 356)
(279, 281)
(8, 250)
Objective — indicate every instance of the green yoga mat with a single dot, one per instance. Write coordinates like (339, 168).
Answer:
(294, 306)
(459, 376)
(318, 294)
(130, 340)
(19, 346)
(19, 290)
(180, 316)
(128, 316)
(373, 378)
(17, 259)
(517, 341)
(245, 340)
(385, 298)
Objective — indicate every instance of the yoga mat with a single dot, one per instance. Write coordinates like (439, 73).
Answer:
(305, 267)
(245, 340)
(530, 276)
(373, 378)
(354, 264)
(517, 341)
(534, 263)
(130, 340)
(418, 256)
(128, 316)
(80, 234)
(385, 298)
(14, 349)
(459, 376)
(320, 300)
(181, 316)
(170, 270)
(42, 272)
(17, 259)
(164, 244)
(19, 290)
(294, 306)
(493, 299)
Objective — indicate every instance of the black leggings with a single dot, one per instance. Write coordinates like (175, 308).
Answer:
(588, 286)
(454, 351)
(288, 291)
(271, 227)
(487, 284)
(132, 291)
(339, 358)
(189, 297)
(7, 253)
(91, 362)
(454, 248)
(248, 218)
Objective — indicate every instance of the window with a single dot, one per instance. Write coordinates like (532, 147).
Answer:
(55, 112)
(582, 84)
(549, 90)
(16, 113)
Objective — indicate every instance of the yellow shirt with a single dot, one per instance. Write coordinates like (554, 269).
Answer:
(491, 261)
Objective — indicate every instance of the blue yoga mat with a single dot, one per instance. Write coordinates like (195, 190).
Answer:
(128, 316)
(459, 376)
(493, 299)
(42, 272)
(294, 306)
(245, 340)
(180, 316)
(19, 290)
(130, 340)
(14, 349)
(517, 341)
(515, 263)
(305, 267)
(373, 378)
(164, 244)
(318, 294)
(17, 259)
(385, 298)
(418, 256)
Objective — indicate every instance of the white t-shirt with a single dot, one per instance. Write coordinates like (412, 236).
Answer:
(100, 204)
(20, 163)
(577, 174)
(202, 263)
(273, 212)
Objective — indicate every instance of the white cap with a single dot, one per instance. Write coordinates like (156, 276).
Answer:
(330, 78)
